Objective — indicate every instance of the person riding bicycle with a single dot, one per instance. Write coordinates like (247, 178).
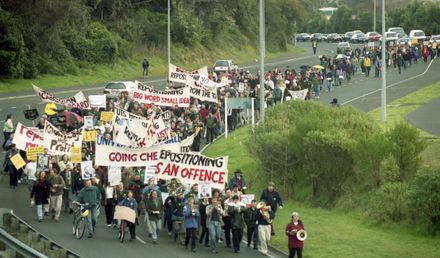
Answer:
(91, 195)
(131, 203)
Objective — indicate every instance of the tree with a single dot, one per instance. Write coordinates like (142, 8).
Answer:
(11, 46)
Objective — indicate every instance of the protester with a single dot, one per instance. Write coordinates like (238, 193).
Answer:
(235, 210)
(155, 211)
(40, 194)
(203, 218)
(295, 245)
(238, 181)
(130, 202)
(13, 172)
(213, 219)
(56, 193)
(190, 214)
(264, 217)
(8, 129)
(273, 199)
(92, 196)
(250, 218)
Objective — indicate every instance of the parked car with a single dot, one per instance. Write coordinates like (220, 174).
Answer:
(359, 38)
(396, 30)
(334, 37)
(348, 35)
(224, 66)
(303, 37)
(435, 38)
(373, 36)
(390, 36)
(344, 48)
(112, 89)
(417, 34)
(317, 37)
(404, 41)
(402, 35)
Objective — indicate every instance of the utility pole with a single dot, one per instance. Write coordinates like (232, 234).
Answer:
(169, 33)
(383, 110)
(374, 15)
(262, 50)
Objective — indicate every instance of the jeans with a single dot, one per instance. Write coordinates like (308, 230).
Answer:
(40, 212)
(91, 219)
(298, 250)
(178, 230)
(264, 237)
(252, 234)
(237, 235)
(329, 85)
(317, 90)
(155, 225)
(215, 233)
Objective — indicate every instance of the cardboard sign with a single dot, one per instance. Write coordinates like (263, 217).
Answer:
(42, 162)
(247, 199)
(240, 87)
(88, 122)
(26, 137)
(32, 152)
(107, 116)
(18, 161)
(124, 213)
(30, 114)
(114, 175)
(87, 170)
(150, 172)
(97, 101)
(90, 136)
(75, 156)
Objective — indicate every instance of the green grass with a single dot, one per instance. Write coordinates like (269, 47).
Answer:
(125, 69)
(335, 233)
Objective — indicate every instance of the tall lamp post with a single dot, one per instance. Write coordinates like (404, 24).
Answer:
(374, 15)
(169, 34)
(383, 110)
(262, 50)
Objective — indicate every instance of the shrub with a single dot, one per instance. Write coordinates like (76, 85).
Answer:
(424, 196)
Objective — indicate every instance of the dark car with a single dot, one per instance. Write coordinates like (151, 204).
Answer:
(317, 37)
(334, 37)
(302, 37)
(359, 38)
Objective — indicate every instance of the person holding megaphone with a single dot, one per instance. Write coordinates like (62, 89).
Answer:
(296, 236)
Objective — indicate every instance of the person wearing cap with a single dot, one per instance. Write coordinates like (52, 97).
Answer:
(238, 181)
(273, 199)
(91, 195)
(294, 244)
(56, 193)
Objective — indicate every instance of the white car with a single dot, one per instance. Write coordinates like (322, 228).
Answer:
(224, 66)
(396, 30)
(435, 38)
(391, 36)
(417, 34)
(112, 89)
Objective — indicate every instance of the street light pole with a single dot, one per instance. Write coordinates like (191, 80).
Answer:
(169, 34)
(374, 15)
(262, 50)
(383, 110)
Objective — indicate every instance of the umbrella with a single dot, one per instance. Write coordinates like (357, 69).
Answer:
(320, 67)
(341, 56)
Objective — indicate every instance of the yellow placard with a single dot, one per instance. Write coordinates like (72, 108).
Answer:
(90, 136)
(18, 161)
(107, 116)
(75, 156)
(414, 41)
(434, 45)
(32, 152)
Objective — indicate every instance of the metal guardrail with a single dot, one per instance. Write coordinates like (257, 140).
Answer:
(25, 241)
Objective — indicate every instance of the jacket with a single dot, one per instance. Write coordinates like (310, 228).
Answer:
(190, 218)
(56, 185)
(234, 182)
(293, 241)
(236, 214)
(90, 195)
(250, 217)
(208, 214)
(130, 203)
(260, 219)
(40, 192)
(154, 206)
(272, 198)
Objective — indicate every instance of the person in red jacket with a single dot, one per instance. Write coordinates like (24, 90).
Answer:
(295, 245)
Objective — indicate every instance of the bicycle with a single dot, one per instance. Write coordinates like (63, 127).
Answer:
(124, 215)
(122, 229)
(79, 220)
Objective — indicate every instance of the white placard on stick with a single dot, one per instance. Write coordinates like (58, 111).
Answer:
(114, 175)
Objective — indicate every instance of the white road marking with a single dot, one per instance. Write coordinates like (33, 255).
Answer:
(13, 107)
(268, 253)
(389, 86)
(140, 240)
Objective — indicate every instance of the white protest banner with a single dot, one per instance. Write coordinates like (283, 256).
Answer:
(114, 175)
(246, 199)
(192, 168)
(26, 137)
(203, 93)
(88, 122)
(129, 130)
(108, 155)
(206, 82)
(166, 98)
(205, 190)
(77, 101)
(98, 101)
(185, 145)
(59, 143)
(176, 74)
(87, 170)
(300, 94)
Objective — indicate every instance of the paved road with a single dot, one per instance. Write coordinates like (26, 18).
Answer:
(361, 92)
(426, 117)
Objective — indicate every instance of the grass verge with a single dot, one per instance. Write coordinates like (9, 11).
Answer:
(340, 233)
(129, 69)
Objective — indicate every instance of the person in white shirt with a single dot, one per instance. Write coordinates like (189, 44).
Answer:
(30, 171)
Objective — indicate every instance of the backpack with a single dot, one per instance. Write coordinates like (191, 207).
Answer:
(145, 63)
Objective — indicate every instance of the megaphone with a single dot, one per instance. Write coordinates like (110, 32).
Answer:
(301, 235)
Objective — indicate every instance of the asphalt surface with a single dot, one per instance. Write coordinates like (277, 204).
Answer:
(426, 117)
(363, 93)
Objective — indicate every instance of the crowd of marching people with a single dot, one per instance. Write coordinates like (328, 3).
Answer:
(56, 184)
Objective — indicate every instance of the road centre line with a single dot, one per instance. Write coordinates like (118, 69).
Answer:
(389, 86)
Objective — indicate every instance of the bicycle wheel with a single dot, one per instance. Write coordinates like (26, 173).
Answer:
(80, 228)
(75, 222)
(122, 231)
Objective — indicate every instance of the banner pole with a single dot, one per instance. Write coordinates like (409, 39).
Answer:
(226, 117)
(253, 114)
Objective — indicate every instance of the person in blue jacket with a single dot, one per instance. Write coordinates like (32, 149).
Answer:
(131, 203)
(190, 214)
